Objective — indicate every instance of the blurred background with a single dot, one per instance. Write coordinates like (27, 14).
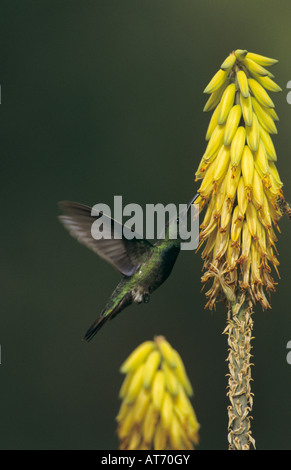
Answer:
(104, 98)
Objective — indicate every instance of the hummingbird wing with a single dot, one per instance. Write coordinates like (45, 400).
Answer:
(125, 255)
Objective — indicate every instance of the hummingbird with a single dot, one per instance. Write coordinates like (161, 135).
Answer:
(144, 266)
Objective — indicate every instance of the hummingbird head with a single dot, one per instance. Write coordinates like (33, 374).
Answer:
(178, 224)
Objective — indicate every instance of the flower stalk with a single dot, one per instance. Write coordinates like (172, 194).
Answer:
(241, 192)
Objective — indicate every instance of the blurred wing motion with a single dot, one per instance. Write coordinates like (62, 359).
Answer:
(125, 255)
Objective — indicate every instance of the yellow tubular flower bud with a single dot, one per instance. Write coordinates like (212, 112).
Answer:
(247, 167)
(216, 82)
(268, 144)
(261, 60)
(232, 180)
(171, 381)
(247, 109)
(151, 365)
(214, 142)
(242, 198)
(251, 218)
(158, 389)
(160, 439)
(228, 63)
(137, 357)
(221, 167)
(214, 98)
(260, 93)
(226, 103)
(240, 53)
(264, 118)
(135, 384)
(254, 68)
(167, 410)
(232, 124)
(243, 83)
(237, 223)
(253, 134)
(237, 146)
(268, 83)
(258, 191)
(213, 123)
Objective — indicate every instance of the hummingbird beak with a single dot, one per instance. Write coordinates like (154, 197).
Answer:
(192, 201)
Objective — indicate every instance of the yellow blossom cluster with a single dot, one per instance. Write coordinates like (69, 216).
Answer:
(156, 413)
(241, 188)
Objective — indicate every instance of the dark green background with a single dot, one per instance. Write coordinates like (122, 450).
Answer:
(102, 98)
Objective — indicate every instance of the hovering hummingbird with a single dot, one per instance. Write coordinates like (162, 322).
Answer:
(144, 266)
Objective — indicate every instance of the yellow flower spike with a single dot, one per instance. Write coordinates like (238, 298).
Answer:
(260, 93)
(254, 68)
(150, 367)
(268, 144)
(221, 166)
(243, 83)
(146, 416)
(212, 123)
(237, 146)
(241, 192)
(231, 124)
(269, 84)
(253, 134)
(247, 169)
(214, 142)
(247, 109)
(264, 117)
(215, 97)
(216, 82)
(242, 198)
(137, 357)
(228, 63)
(226, 103)
(261, 60)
